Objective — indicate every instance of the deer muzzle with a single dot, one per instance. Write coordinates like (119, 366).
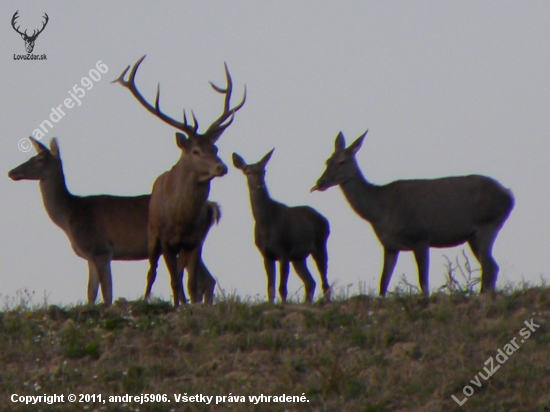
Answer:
(15, 174)
(319, 187)
(220, 169)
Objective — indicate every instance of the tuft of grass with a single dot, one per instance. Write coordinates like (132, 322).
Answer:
(77, 343)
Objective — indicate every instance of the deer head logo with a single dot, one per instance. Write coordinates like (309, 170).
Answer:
(29, 40)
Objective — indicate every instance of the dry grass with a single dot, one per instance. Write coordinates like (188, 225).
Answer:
(361, 353)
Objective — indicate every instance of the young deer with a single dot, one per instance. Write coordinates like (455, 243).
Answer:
(418, 214)
(285, 234)
(179, 214)
(100, 228)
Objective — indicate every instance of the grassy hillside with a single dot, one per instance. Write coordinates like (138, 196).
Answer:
(361, 353)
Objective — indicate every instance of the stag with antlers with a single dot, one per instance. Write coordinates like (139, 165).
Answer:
(178, 214)
(29, 40)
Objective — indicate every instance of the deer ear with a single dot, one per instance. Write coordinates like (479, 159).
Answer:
(355, 146)
(39, 147)
(181, 140)
(340, 142)
(54, 147)
(266, 158)
(238, 161)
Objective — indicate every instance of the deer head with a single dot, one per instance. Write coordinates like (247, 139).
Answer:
(39, 167)
(201, 156)
(255, 173)
(340, 164)
(29, 40)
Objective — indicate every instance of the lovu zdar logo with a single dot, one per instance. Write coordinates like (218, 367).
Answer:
(29, 39)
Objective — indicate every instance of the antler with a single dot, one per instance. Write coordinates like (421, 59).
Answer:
(130, 84)
(35, 34)
(15, 16)
(212, 133)
(216, 129)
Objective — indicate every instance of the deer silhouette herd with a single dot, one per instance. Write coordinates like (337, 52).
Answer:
(174, 220)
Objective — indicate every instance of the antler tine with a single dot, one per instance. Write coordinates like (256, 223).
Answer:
(43, 26)
(241, 104)
(217, 128)
(135, 69)
(229, 121)
(130, 84)
(195, 121)
(229, 88)
(13, 19)
(157, 98)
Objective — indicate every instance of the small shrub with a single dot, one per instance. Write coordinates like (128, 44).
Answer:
(76, 344)
(150, 308)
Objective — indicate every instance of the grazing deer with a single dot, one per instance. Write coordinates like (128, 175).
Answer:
(418, 214)
(285, 234)
(179, 213)
(100, 228)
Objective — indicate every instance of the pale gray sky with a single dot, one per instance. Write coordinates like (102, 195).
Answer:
(446, 88)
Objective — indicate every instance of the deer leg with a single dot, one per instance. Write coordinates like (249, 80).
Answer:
(207, 283)
(390, 259)
(193, 279)
(182, 264)
(103, 267)
(321, 257)
(300, 266)
(422, 256)
(93, 282)
(284, 269)
(154, 254)
(481, 244)
(171, 260)
(269, 265)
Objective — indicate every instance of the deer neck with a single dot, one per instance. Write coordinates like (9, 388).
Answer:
(56, 197)
(361, 195)
(190, 194)
(260, 201)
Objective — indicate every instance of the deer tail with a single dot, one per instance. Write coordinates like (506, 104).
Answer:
(214, 212)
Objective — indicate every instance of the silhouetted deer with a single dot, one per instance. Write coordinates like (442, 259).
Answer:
(100, 228)
(285, 234)
(179, 214)
(417, 214)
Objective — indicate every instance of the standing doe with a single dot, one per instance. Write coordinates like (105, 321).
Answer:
(100, 228)
(285, 234)
(179, 215)
(418, 214)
